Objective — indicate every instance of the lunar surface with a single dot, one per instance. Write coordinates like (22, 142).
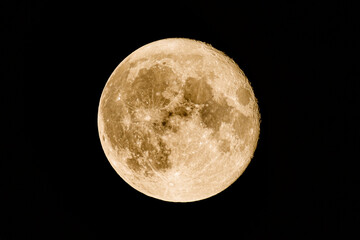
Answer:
(178, 120)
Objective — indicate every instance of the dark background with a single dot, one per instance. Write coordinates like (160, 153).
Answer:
(56, 182)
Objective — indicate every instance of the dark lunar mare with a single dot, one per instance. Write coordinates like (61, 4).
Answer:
(140, 137)
(144, 138)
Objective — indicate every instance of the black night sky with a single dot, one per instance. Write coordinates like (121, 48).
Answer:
(301, 59)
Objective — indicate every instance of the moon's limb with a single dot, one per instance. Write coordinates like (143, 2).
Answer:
(178, 120)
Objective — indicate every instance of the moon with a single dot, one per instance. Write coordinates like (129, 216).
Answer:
(178, 120)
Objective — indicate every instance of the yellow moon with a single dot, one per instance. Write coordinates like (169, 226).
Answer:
(178, 120)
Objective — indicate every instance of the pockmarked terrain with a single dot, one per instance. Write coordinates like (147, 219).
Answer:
(178, 120)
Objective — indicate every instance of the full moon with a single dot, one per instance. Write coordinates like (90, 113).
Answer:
(178, 120)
